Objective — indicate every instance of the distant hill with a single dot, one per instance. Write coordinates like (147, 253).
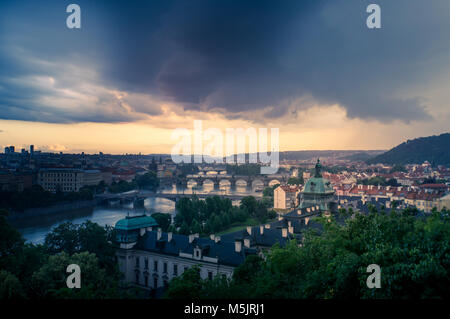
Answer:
(361, 156)
(336, 154)
(434, 149)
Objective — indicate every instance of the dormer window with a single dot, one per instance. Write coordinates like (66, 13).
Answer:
(197, 253)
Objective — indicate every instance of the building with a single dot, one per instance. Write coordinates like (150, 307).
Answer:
(285, 197)
(149, 258)
(15, 181)
(443, 202)
(61, 179)
(318, 191)
(92, 177)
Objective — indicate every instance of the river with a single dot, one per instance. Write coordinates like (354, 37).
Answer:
(34, 229)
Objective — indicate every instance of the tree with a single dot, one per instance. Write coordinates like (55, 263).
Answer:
(163, 220)
(295, 180)
(249, 204)
(187, 286)
(148, 181)
(11, 243)
(411, 250)
(50, 280)
(10, 286)
(63, 237)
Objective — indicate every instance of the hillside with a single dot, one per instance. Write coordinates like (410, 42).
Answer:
(434, 149)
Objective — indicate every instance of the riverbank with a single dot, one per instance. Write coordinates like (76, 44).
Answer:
(52, 210)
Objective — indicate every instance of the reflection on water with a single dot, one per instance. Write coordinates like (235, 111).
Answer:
(34, 229)
(222, 189)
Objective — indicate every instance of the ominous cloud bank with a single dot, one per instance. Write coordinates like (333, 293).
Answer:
(238, 57)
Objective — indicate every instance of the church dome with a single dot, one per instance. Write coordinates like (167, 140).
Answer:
(318, 184)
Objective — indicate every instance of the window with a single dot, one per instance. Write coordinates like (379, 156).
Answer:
(146, 280)
(146, 263)
(155, 265)
(137, 262)
(175, 270)
(165, 268)
(155, 282)
(186, 268)
(210, 275)
(137, 277)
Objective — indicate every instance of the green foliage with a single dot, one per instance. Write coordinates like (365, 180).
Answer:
(433, 149)
(148, 181)
(163, 220)
(398, 168)
(216, 214)
(50, 280)
(10, 286)
(244, 169)
(39, 271)
(187, 286)
(295, 180)
(122, 186)
(412, 251)
(36, 196)
(256, 209)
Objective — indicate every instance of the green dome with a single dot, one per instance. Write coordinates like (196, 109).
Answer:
(135, 222)
(318, 185)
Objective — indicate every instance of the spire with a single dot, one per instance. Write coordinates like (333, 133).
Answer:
(318, 168)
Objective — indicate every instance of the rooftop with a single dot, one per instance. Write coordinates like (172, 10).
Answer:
(135, 222)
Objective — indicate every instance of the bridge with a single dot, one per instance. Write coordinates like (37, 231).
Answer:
(228, 180)
(134, 196)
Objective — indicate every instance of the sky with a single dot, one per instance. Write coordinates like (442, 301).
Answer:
(138, 70)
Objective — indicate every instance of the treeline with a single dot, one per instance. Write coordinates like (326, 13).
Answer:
(39, 271)
(215, 214)
(244, 169)
(413, 253)
(36, 196)
(433, 149)
(148, 181)
(378, 181)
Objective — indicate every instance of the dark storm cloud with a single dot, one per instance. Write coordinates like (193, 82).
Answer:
(236, 56)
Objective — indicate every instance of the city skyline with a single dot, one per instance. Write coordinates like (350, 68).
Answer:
(133, 73)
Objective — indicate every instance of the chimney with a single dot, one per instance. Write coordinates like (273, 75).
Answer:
(247, 242)
(212, 236)
(217, 239)
(191, 238)
(169, 236)
(158, 234)
(284, 232)
(249, 230)
(291, 229)
(237, 246)
(261, 229)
